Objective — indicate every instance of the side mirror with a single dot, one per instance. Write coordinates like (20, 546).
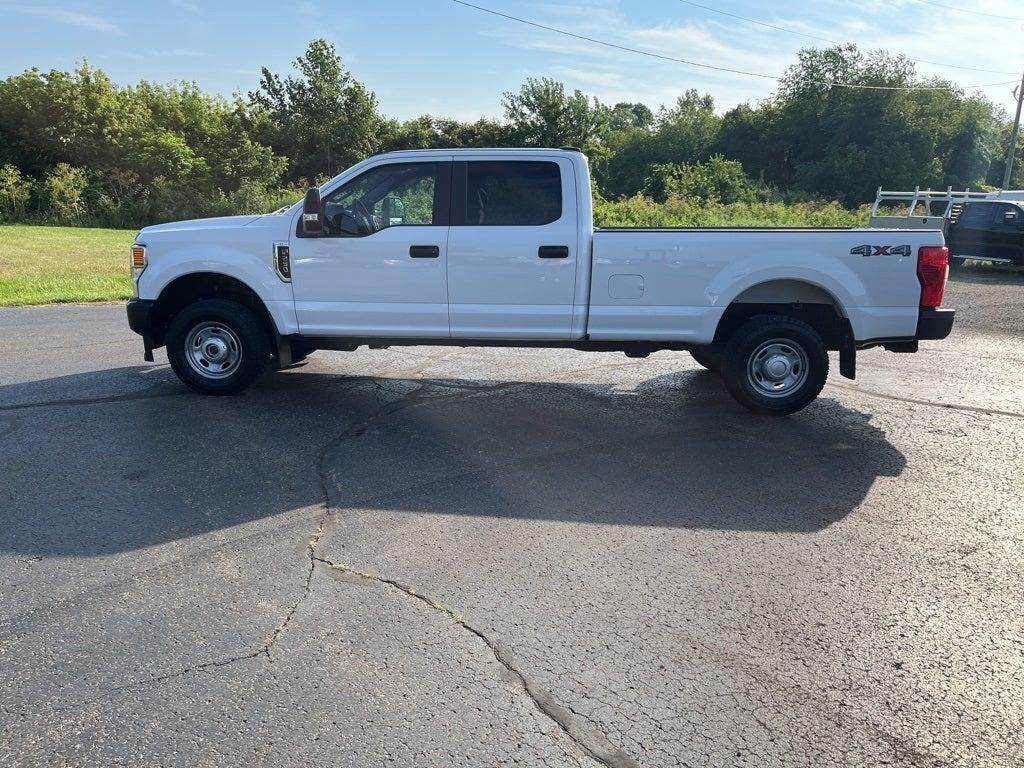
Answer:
(312, 213)
(393, 210)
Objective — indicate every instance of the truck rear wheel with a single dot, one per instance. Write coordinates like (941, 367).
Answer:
(775, 365)
(709, 357)
(218, 347)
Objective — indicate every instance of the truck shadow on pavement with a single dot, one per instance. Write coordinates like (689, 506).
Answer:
(121, 472)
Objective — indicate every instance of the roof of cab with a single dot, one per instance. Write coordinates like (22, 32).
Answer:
(471, 150)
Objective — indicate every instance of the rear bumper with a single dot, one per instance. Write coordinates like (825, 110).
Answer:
(140, 316)
(935, 323)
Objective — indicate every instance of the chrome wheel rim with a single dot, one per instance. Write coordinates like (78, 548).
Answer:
(213, 350)
(777, 368)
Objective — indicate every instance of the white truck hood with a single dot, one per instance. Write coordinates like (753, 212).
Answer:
(205, 225)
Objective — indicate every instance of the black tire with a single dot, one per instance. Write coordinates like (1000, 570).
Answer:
(709, 357)
(230, 329)
(789, 347)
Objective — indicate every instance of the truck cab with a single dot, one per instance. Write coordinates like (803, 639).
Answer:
(991, 230)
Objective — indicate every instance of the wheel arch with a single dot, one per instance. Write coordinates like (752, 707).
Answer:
(196, 286)
(801, 298)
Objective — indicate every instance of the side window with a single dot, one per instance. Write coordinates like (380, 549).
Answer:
(1001, 211)
(513, 193)
(977, 215)
(400, 194)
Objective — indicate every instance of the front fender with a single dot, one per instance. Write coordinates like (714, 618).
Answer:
(169, 263)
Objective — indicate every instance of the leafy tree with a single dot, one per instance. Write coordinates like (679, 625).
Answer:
(437, 133)
(624, 116)
(323, 120)
(684, 133)
(543, 114)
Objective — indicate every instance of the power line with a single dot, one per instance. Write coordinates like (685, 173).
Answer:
(819, 38)
(968, 10)
(701, 65)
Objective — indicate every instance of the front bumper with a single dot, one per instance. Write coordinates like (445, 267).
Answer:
(935, 323)
(140, 316)
(140, 320)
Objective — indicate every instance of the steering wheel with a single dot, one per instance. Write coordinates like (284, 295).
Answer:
(363, 217)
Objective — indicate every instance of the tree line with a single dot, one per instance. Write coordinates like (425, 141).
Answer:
(77, 148)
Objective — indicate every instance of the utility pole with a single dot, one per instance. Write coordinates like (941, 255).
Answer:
(1014, 136)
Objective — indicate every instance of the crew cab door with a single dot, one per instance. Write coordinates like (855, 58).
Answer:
(512, 248)
(972, 235)
(1007, 234)
(379, 268)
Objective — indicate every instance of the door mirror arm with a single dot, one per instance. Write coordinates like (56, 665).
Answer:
(312, 213)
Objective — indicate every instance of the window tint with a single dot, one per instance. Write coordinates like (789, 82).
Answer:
(977, 215)
(1001, 211)
(400, 194)
(513, 193)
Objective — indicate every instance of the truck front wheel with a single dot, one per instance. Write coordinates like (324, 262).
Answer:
(708, 357)
(774, 365)
(218, 347)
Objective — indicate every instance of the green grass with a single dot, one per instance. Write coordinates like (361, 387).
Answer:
(57, 265)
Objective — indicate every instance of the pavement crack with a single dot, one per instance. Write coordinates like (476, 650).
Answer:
(591, 741)
(931, 403)
(147, 394)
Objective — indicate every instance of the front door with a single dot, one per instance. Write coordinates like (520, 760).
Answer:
(512, 249)
(379, 268)
(1007, 238)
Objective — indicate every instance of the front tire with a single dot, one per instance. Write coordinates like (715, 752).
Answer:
(708, 357)
(218, 347)
(775, 365)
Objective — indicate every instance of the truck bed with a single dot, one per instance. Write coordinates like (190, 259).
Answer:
(675, 284)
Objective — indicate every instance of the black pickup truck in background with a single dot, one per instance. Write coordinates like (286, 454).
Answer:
(986, 229)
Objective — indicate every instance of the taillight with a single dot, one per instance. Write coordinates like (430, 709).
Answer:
(932, 271)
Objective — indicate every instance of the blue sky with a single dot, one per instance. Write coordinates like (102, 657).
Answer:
(434, 56)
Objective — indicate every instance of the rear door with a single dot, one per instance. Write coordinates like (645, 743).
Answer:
(971, 236)
(512, 248)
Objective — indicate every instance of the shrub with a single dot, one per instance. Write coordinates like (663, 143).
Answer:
(718, 180)
(64, 190)
(15, 191)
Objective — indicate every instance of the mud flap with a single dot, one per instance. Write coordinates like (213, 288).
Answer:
(147, 346)
(848, 358)
(284, 352)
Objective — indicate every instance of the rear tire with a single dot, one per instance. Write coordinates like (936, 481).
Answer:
(218, 347)
(774, 365)
(708, 357)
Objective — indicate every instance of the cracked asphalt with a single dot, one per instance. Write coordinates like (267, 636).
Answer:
(487, 557)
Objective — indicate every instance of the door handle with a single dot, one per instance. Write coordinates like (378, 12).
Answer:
(553, 252)
(424, 251)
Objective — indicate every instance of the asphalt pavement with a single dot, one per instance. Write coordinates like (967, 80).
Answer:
(484, 557)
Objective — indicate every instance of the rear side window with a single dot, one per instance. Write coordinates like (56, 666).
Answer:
(513, 193)
(977, 215)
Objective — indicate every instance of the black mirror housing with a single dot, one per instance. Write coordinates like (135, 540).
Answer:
(312, 213)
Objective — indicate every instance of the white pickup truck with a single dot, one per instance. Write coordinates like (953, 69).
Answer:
(498, 248)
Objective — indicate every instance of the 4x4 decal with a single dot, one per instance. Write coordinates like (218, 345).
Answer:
(881, 250)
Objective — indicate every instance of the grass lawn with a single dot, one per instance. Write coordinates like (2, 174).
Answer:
(53, 265)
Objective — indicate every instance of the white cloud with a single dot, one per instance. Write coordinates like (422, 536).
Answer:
(907, 27)
(64, 16)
